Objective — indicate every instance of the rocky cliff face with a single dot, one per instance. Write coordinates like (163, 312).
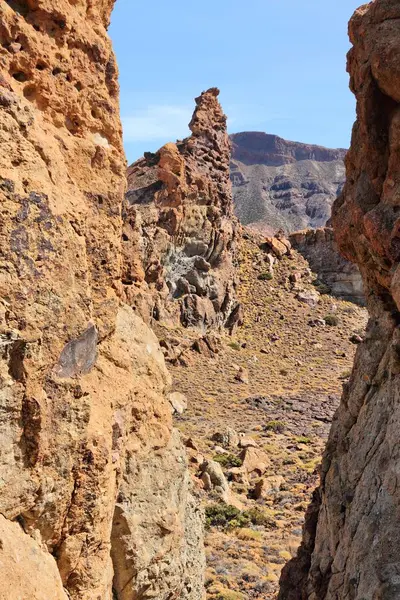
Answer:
(95, 497)
(278, 184)
(179, 231)
(351, 543)
(341, 277)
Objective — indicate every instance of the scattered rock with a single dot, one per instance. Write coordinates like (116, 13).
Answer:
(317, 322)
(265, 486)
(206, 479)
(242, 375)
(295, 277)
(356, 339)
(247, 442)
(228, 438)
(178, 402)
(190, 443)
(254, 460)
(308, 297)
(220, 450)
(238, 475)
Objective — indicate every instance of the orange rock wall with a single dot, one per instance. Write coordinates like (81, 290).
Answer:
(86, 435)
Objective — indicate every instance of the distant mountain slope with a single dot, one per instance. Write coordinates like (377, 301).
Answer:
(282, 184)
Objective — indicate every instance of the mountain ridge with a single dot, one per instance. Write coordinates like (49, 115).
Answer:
(281, 184)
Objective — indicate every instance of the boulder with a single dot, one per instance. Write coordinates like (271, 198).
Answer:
(27, 572)
(254, 460)
(309, 297)
(178, 402)
(242, 375)
(247, 442)
(228, 437)
(267, 485)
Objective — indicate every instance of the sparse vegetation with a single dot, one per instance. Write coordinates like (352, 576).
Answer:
(224, 515)
(285, 415)
(276, 426)
(331, 320)
(303, 440)
(267, 276)
(227, 461)
(234, 345)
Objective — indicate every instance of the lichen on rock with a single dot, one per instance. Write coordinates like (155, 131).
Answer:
(83, 394)
(178, 219)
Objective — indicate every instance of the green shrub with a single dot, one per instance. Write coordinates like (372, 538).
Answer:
(258, 517)
(301, 439)
(228, 461)
(331, 320)
(223, 515)
(267, 276)
(321, 287)
(276, 426)
(234, 345)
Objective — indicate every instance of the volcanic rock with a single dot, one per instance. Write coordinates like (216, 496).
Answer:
(90, 465)
(341, 276)
(281, 184)
(178, 219)
(351, 539)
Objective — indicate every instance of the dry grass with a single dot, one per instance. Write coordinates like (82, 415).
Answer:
(298, 369)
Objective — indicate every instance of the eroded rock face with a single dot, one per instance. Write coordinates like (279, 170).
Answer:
(319, 248)
(179, 230)
(278, 184)
(84, 411)
(351, 544)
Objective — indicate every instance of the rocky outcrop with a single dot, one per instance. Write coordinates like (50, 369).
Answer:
(341, 277)
(278, 184)
(179, 231)
(351, 542)
(94, 486)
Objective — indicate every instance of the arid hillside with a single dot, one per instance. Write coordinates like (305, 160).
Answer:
(278, 184)
(260, 406)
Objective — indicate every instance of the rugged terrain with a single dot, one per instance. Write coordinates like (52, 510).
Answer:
(96, 499)
(179, 233)
(95, 495)
(278, 184)
(272, 388)
(351, 542)
(342, 277)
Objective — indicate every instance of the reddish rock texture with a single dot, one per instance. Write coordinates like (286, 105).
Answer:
(255, 147)
(179, 231)
(90, 467)
(351, 545)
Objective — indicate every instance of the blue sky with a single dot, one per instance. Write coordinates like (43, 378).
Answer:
(280, 66)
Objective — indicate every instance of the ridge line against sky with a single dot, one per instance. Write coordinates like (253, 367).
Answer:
(280, 65)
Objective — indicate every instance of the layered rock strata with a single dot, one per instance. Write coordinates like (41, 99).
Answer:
(179, 231)
(278, 184)
(95, 492)
(319, 248)
(351, 543)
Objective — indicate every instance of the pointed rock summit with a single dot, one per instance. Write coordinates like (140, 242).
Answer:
(179, 230)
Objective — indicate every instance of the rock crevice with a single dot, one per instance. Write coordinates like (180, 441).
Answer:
(351, 539)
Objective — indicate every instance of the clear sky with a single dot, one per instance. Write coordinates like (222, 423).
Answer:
(280, 66)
